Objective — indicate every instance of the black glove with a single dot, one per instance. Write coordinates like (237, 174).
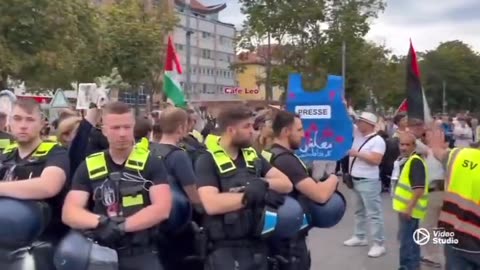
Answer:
(274, 199)
(109, 231)
(254, 194)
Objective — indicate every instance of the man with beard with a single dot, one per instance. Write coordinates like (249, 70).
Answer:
(34, 170)
(288, 134)
(130, 194)
(233, 185)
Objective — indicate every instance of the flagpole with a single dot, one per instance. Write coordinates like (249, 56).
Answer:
(444, 97)
(188, 79)
(344, 65)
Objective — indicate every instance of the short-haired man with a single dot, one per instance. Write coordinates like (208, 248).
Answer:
(34, 170)
(288, 132)
(130, 194)
(410, 200)
(233, 192)
(174, 122)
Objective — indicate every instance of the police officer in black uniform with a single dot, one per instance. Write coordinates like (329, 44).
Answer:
(35, 170)
(232, 192)
(288, 132)
(130, 193)
(174, 122)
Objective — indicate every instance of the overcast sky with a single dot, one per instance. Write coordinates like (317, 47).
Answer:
(427, 22)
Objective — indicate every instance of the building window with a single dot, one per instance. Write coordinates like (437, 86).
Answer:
(130, 98)
(207, 54)
(206, 35)
(179, 47)
(204, 89)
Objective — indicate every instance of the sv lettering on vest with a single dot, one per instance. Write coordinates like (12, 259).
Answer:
(328, 126)
(469, 164)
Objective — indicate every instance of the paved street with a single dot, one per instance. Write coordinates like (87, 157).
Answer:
(328, 252)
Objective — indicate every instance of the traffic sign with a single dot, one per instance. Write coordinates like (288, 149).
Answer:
(59, 100)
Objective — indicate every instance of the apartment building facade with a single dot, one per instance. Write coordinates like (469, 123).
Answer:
(212, 51)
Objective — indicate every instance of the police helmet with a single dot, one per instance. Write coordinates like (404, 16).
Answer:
(284, 222)
(328, 214)
(76, 252)
(22, 221)
(181, 213)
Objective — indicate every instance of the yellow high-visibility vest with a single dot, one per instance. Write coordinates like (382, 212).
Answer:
(404, 192)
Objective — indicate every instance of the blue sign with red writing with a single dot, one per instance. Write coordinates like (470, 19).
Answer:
(327, 124)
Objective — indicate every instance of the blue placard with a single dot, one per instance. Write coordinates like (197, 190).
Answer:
(328, 126)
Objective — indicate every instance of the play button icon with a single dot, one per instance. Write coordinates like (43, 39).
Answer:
(421, 236)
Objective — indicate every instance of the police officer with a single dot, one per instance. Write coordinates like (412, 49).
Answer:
(130, 194)
(34, 170)
(232, 192)
(5, 138)
(288, 132)
(174, 122)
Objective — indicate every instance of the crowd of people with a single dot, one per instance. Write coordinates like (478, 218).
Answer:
(110, 189)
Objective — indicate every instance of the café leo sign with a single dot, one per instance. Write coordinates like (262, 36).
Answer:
(240, 91)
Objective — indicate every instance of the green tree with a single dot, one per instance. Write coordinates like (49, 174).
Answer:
(42, 41)
(310, 34)
(136, 40)
(456, 64)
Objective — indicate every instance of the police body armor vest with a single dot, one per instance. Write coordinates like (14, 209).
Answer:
(238, 225)
(133, 196)
(30, 168)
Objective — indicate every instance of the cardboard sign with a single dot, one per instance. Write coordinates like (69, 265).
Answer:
(327, 124)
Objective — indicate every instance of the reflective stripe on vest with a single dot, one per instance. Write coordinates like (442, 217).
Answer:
(211, 141)
(143, 143)
(4, 143)
(461, 206)
(42, 150)
(404, 192)
(197, 135)
(225, 164)
(97, 164)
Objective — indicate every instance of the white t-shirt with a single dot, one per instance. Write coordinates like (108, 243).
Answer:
(435, 167)
(361, 168)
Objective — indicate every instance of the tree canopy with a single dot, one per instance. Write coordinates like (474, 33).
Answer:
(308, 34)
(49, 44)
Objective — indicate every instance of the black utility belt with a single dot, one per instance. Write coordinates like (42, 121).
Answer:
(358, 178)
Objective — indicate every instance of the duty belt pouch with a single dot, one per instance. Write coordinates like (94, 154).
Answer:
(238, 224)
(347, 177)
(132, 200)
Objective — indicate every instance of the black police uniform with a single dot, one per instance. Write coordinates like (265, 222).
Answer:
(115, 198)
(13, 168)
(295, 251)
(233, 241)
(181, 253)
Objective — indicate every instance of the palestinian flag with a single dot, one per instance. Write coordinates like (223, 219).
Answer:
(171, 87)
(415, 104)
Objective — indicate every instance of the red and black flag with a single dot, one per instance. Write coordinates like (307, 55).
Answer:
(416, 104)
